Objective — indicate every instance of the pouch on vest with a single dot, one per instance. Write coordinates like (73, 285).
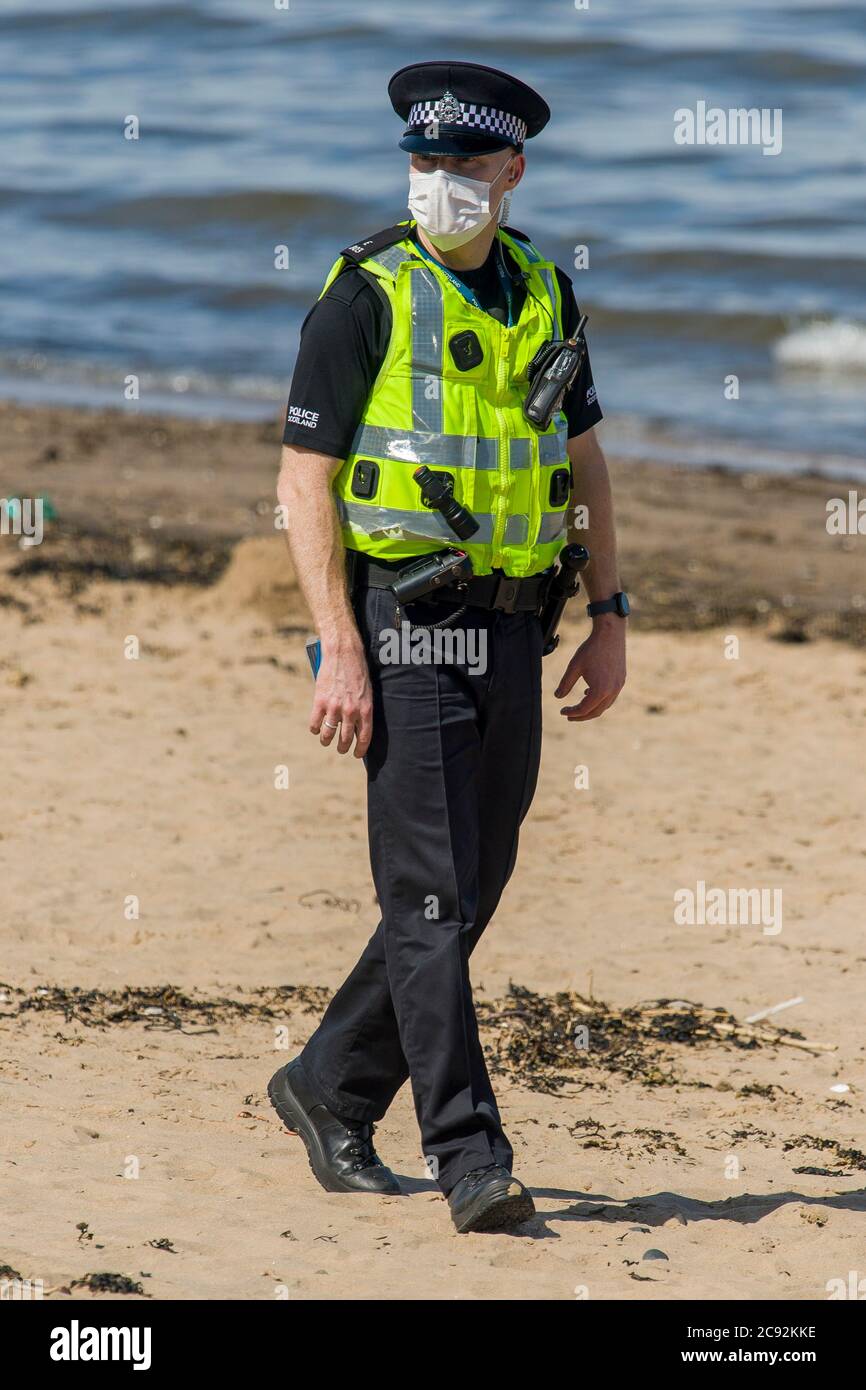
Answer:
(560, 487)
(365, 478)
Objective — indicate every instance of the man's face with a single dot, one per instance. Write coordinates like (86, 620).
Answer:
(483, 167)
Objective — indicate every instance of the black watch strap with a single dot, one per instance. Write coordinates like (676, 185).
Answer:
(617, 603)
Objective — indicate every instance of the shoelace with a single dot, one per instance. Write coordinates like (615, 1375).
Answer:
(474, 1176)
(364, 1154)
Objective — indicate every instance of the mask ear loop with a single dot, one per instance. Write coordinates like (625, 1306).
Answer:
(505, 205)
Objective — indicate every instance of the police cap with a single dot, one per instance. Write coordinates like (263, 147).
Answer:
(464, 108)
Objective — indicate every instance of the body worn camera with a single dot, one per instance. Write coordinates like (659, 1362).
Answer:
(437, 491)
(446, 566)
(551, 372)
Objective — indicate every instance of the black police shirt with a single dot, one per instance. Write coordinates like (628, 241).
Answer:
(344, 339)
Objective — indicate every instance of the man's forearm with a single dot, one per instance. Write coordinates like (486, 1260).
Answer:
(592, 493)
(315, 543)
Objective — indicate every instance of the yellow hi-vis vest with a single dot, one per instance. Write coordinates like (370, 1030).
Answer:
(424, 408)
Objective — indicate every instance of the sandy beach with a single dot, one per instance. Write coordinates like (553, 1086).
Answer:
(172, 922)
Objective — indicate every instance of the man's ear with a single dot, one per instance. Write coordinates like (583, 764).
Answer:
(517, 171)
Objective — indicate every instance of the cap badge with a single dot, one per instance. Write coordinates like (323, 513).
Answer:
(448, 109)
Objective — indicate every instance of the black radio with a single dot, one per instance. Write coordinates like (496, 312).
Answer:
(551, 372)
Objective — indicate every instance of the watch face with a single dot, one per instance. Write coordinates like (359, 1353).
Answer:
(622, 606)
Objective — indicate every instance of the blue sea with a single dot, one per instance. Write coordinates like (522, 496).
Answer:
(262, 126)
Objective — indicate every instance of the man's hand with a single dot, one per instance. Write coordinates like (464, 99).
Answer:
(601, 662)
(343, 703)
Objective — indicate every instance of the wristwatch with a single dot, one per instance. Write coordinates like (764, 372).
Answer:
(617, 604)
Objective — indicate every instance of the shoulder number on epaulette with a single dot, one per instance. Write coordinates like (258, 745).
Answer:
(359, 250)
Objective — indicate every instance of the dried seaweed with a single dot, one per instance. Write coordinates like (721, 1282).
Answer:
(849, 1158)
(108, 1283)
(163, 1006)
(541, 1041)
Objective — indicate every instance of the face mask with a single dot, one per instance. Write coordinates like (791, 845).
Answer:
(452, 209)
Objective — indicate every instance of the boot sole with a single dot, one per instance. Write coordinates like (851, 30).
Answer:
(295, 1118)
(497, 1213)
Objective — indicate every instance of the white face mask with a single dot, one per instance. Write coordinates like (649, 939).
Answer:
(451, 208)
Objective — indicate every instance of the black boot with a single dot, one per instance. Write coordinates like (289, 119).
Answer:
(341, 1156)
(489, 1199)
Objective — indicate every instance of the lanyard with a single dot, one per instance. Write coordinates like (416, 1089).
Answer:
(468, 293)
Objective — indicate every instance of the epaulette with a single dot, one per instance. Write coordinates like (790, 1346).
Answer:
(359, 250)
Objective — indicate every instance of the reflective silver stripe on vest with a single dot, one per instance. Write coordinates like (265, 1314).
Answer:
(427, 334)
(441, 450)
(516, 530)
(520, 453)
(487, 453)
(393, 258)
(391, 524)
(421, 446)
(552, 447)
(552, 528)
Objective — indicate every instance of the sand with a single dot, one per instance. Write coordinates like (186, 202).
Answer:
(155, 778)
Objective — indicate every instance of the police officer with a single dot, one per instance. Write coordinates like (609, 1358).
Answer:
(417, 353)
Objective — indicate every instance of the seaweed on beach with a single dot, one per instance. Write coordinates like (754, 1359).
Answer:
(547, 1041)
(162, 1007)
(108, 1282)
(670, 596)
(74, 555)
(847, 1158)
(592, 1134)
(540, 1041)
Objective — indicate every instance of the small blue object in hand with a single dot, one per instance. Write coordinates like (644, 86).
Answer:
(314, 652)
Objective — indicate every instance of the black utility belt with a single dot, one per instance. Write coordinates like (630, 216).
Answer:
(496, 590)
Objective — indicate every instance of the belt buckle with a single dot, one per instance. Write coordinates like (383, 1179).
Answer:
(506, 594)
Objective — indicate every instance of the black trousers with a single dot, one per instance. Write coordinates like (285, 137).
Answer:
(451, 772)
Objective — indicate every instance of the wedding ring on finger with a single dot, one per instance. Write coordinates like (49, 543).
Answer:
(329, 725)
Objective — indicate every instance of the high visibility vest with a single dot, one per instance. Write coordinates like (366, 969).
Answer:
(428, 406)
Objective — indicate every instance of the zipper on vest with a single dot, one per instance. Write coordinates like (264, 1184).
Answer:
(502, 500)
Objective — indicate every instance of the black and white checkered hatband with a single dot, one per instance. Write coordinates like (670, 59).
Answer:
(468, 116)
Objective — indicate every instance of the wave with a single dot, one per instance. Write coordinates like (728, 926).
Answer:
(767, 64)
(632, 436)
(658, 322)
(167, 210)
(39, 370)
(837, 345)
(103, 19)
